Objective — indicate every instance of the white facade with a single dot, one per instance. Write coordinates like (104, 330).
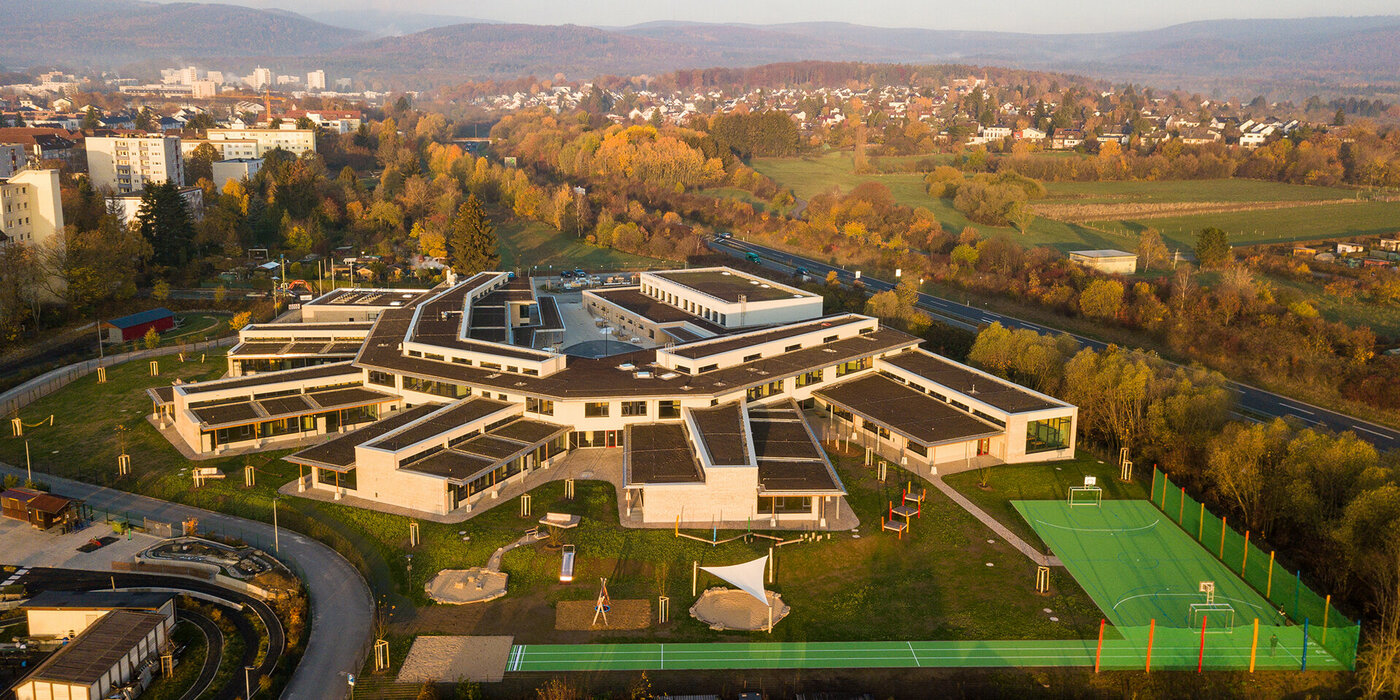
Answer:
(316, 80)
(31, 211)
(235, 169)
(262, 77)
(125, 164)
(730, 298)
(294, 141)
(13, 156)
(126, 206)
(1113, 262)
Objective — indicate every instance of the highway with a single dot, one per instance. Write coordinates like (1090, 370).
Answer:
(1256, 401)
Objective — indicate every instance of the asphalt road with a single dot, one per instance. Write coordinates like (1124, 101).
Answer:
(1252, 399)
(341, 606)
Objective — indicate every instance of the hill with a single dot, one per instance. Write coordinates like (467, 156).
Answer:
(450, 54)
(114, 33)
(381, 23)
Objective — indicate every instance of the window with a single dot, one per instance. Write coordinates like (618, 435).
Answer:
(1047, 435)
(830, 339)
(634, 408)
(871, 427)
(764, 390)
(330, 477)
(707, 368)
(784, 504)
(444, 389)
(668, 409)
(594, 409)
(543, 407)
(810, 378)
(846, 368)
(919, 450)
(381, 378)
(682, 370)
(793, 348)
(751, 358)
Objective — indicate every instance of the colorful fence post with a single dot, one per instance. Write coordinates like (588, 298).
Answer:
(1305, 645)
(1201, 526)
(1254, 645)
(1201, 660)
(1269, 588)
(1181, 513)
(1153, 489)
(1224, 524)
(1326, 609)
(1098, 655)
(1151, 632)
(1244, 560)
(1297, 589)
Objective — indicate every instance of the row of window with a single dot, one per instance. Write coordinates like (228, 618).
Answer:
(494, 366)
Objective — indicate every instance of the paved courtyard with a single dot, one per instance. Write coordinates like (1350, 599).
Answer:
(28, 547)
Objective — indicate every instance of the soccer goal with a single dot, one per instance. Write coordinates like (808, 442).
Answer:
(1217, 617)
(1087, 495)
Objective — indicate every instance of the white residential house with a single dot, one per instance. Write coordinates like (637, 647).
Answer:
(125, 164)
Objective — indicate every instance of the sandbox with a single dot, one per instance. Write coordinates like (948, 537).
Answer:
(459, 586)
(731, 609)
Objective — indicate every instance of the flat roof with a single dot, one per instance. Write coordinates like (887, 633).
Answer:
(333, 369)
(654, 310)
(989, 390)
(94, 652)
(907, 411)
(1103, 253)
(789, 458)
(98, 600)
(590, 377)
(722, 434)
(449, 418)
(259, 410)
(368, 297)
(340, 451)
(451, 464)
(659, 453)
(711, 346)
(728, 285)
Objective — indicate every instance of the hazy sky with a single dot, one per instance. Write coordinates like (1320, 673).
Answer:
(1006, 15)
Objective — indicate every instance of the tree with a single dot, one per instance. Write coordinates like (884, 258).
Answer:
(165, 223)
(151, 339)
(200, 164)
(473, 244)
(1212, 247)
(1021, 216)
(160, 291)
(90, 120)
(1102, 299)
(1151, 250)
(240, 320)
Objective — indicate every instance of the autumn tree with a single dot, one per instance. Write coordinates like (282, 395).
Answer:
(473, 244)
(1102, 299)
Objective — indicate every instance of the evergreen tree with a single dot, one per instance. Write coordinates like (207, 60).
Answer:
(165, 223)
(90, 122)
(473, 241)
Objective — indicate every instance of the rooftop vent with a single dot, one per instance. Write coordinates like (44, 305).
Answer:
(643, 374)
(493, 375)
(627, 367)
(669, 375)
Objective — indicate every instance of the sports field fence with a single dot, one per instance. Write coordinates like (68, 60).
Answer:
(1260, 569)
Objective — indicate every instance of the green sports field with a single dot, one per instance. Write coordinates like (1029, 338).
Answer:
(1136, 563)
(1138, 566)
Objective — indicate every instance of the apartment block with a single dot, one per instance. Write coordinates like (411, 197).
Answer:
(30, 208)
(125, 164)
(294, 141)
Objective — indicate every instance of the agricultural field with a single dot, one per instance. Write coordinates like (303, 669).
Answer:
(1078, 215)
(525, 244)
(1382, 319)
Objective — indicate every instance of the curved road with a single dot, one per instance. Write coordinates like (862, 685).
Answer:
(341, 606)
(213, 653)
(1251, 398)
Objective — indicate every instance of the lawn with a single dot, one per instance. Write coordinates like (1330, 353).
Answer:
(525, 244)
(935, 584)
(1046, 481)
(812, 175)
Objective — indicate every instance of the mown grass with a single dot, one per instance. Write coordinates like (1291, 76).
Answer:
(934, 584)
(525, 244)
(1045, 481)
(811, 175)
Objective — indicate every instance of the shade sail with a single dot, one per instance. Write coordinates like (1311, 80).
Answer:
(747, 576)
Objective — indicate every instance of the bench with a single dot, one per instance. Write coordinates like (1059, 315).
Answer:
(563, 521)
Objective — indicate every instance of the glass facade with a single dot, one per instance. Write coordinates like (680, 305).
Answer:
(1047, 435)
(444, 389)
(784, 504)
